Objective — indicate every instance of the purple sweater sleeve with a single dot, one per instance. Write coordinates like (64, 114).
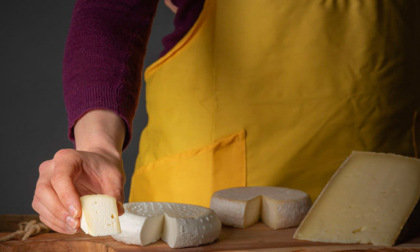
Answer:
(104, 56)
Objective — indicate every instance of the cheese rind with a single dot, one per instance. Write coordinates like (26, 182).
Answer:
(140, 229)
(179, 225)
(277, 207)
(180, 232)
(284, 213)
(99, 215)
(368, 200)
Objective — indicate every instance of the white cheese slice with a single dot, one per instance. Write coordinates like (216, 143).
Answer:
(368, 200)
(99, 215)
(277, 207)
(179, 225)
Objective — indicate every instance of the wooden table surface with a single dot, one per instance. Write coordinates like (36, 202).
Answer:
(256, 238)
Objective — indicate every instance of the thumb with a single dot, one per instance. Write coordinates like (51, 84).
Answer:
(113, 185)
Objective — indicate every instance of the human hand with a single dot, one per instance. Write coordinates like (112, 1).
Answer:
(95, 167)
(70, 175)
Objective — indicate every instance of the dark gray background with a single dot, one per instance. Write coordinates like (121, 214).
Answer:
(33, 117)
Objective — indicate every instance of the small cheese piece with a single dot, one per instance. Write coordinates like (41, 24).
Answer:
(277, 207)
(179, 225)
(368, 200)
(99, 215)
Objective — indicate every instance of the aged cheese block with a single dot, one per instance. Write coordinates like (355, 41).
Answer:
(99, 215)
(179, 225)
(277, 207)
(368, 200)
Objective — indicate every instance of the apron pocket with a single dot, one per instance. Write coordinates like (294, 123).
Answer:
(192, 176)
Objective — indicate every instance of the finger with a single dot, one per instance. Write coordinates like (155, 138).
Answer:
(68, 227)
(119, 198)
(46, 203)
(120, 207)
(45, 194)
(67, 166)
(113, 185)
(51, 224)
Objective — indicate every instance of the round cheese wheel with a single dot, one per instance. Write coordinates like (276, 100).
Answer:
(277, 207)
(179, 225)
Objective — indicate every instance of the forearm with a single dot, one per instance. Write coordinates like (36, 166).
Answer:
(100, 130)
(104, 56)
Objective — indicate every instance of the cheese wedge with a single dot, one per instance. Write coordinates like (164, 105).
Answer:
(277, 207)
(179, 225)
(368, 200)
(99, 215)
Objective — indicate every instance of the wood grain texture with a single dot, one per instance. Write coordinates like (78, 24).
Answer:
(256, 238)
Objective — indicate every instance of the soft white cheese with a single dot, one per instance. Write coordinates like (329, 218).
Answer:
(368, 200)
(179, 225)
(99, 215)
(277, 207)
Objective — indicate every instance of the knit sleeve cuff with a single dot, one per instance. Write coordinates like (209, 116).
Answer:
(87, 100)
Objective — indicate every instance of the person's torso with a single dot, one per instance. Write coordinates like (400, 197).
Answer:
(277, 101)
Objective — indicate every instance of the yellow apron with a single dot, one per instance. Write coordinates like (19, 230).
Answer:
(277, 93)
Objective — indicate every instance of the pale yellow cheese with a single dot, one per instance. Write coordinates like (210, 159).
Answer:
(99, 215)
(368, 200)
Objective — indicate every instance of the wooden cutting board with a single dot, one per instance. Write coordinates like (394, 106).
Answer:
(257, 237)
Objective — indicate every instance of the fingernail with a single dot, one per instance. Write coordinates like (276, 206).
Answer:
(72, 211)
(71, 223)
(70, 230)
